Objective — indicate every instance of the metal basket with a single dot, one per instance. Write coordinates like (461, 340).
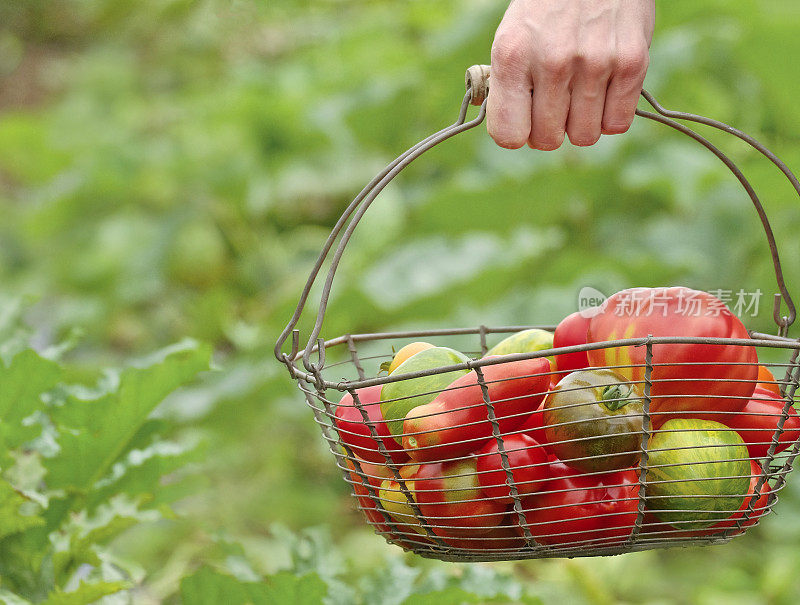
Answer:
(445, 512)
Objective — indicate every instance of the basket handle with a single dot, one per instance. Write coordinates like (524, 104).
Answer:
(477, 84)
(359, 206)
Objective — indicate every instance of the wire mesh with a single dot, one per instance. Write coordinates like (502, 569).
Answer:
(494, 489)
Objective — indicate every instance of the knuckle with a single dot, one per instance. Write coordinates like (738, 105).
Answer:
(557, 66)
(632, 63)
(595, 65)
(508, 56)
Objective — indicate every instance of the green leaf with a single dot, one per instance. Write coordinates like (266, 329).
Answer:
(12, 521)
(207, 586)
(9, 598)
(86, 593)
(456, 596)
(141, 471)
(22, 383)
(78, 540)
(94, 433)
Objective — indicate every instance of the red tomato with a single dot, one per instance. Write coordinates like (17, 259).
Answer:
(571, 331)
(503, 537)
(695, 380)
(374, 475)
(758, 420)
(534, 426)
(450, 499)
(527, 462)
(456, 422)
(590, 510)
(354, 432)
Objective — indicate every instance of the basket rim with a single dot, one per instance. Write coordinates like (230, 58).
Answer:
(757, 339)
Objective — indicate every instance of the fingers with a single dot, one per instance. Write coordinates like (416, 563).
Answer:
(571, 69)
(508, 108)
(550, 107)
(587, 100)
(624, 89)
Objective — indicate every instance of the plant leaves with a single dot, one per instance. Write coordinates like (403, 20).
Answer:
(94, 433)
(207, 586)
(456, 596)
(85, 594)
(12, 521)
(22, 383)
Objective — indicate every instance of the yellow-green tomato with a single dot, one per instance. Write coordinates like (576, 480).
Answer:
(593, 420)
(526, 341)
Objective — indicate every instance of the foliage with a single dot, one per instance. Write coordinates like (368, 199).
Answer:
(80, 465)
(170, 169)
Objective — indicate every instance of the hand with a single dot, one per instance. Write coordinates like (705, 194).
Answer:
(567, 66)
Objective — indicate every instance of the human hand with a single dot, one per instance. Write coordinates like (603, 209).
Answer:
(567, 66)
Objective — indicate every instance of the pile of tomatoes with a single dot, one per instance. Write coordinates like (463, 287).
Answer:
(584, 448)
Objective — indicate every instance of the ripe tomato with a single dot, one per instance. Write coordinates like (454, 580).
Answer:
(355, 432)
(576, 509)
(527, 462)
(766, 380)
(689, 380)
(451, 501)
(501, 538)
(373, 475)
(571, 331)
(457, 421)
(534, 427)
(758, 420)
(404, 353)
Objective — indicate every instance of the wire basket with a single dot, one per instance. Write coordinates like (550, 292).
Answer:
(505, 457)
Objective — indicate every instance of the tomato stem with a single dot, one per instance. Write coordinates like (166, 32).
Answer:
(615, 396)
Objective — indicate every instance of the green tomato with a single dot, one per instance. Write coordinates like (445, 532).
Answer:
(526, 341)
(593, 420)
(398, 398)
(698, 473)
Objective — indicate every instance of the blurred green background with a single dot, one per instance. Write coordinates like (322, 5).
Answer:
(171, 168)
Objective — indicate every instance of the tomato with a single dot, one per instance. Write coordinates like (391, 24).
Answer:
(704, 380)
(526, 341)
(766, 380)
(403, 354)
(583, 510)
(527, 462)
(450, 499)
(760, 507)
(397, 505)
(404, 530)
(398, 398)
(697, 472)
(502, 538)
(374, 474)
(569, 332)
(534, 427)
(457, 421)
(593, 420)
(355, 432)
(758, 421)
